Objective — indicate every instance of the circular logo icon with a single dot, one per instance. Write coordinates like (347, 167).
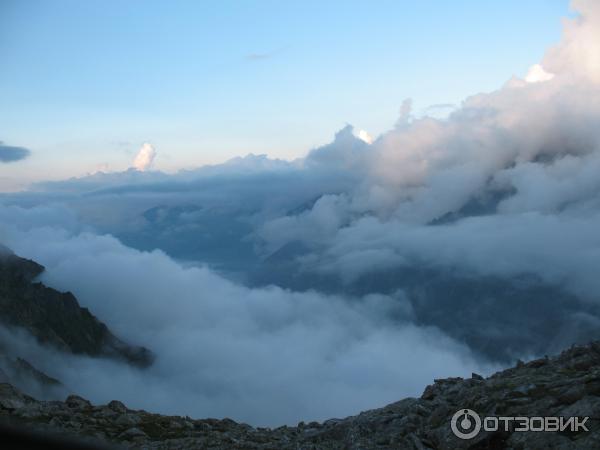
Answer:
(465, 424)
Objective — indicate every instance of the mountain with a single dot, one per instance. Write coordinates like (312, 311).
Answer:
(567, 385)
(55, 318)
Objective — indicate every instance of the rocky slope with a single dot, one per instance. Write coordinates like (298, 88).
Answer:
(565, 385)
(54, 317)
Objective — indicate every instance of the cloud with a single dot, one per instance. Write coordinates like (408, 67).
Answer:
(485, 198)
(10, 154)
(347, 152)
(537, 74)
(265, 356)
(258, 56)
(502, 190)
(578, 53)
(442, 243)
(440, 110)
(365, 136)
(441, 106)
(263, 56)
(145, 157)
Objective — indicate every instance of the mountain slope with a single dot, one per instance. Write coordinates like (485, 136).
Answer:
(54, 317)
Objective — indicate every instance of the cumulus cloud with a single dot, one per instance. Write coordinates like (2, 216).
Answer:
(347, 152)
(10, 154)
(441, 106)
(578, 53)
(144, 158)
(537, 74)
(439, 110)
(365, 136)
(428, 168)
(505, 187)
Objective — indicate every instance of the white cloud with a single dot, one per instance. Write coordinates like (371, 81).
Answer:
(365, 136)
(537, 74)
(145, 157)
(578, 53)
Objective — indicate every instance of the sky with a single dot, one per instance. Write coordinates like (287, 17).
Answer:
(84, 85)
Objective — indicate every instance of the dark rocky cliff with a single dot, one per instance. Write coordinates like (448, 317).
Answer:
(55, 318)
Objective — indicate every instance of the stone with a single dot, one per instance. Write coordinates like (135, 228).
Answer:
(566, 385)
(117, 406)
(76, 402)
(132, 433)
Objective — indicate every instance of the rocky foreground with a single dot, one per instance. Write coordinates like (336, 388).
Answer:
(565, 385)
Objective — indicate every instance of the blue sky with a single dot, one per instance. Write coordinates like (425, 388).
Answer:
(84, 84)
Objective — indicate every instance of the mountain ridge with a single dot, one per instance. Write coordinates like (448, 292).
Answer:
(53, 318)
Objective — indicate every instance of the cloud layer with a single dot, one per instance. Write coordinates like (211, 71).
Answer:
(266, 356)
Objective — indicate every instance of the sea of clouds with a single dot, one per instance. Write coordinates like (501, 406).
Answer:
(505, 189)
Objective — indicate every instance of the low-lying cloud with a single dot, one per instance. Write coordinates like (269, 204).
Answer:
(265, 356)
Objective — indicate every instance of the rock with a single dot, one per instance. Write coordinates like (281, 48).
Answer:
(132, 433)
(538, 362)
(566, 385)
(12, 399)
(76, 402)
(571, 395)
(128, 420)
(117, 406)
